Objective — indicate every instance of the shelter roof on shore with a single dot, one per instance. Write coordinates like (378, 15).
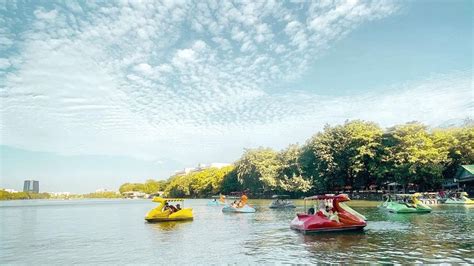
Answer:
(465, 173)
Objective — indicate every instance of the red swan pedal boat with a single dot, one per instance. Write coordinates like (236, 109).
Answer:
(332, 214)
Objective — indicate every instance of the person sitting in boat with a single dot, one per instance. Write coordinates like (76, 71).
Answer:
(166, 207)
(410, 203)
(311, 211)
(333, 215)
(222, 199)
(173, 208)
(442, 194)
(328, 210)
(243, 201)
(178, 207)
(234, 204)
(322, 210)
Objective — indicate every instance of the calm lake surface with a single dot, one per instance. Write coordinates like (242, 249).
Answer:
(113, 231)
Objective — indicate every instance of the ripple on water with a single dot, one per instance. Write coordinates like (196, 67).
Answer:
(113, 232)
(387, 226)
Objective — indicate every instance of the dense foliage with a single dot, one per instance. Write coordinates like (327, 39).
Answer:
(101, 195)
(359, 154)
(5, 195)
(354, 155)
(149, 187)
(198, 184)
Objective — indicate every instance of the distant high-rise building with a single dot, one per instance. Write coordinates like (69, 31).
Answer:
(31, 186)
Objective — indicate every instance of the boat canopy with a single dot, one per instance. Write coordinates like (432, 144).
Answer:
(407, 195)
(158, 199)
(280, 196)
(325, 197)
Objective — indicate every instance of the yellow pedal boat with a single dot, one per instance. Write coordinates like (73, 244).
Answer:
(159, 215)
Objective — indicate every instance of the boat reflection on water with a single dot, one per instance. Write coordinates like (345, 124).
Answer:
(169, 226)
(443, 236)
(406, 218)
(467, 207)
(332, 243)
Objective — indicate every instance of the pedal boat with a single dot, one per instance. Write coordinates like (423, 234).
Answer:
(217, 202)
(242, 207)
(281, 202)
(431, 198)
(343, 217)
(461, 198)
(405, 203)
(158, 215)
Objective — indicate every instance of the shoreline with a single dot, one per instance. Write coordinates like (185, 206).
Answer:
(127, 199)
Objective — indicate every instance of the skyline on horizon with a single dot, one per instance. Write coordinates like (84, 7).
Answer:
(94, 95)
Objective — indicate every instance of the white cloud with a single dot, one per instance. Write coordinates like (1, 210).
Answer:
(190, 81)
(144, 68)
(184, 56)
(4, 63)
(199, 45)
(46, 15)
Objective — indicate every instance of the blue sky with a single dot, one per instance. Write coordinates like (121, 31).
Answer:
(95, 94)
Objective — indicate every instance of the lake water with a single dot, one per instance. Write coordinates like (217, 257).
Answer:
(113, 231)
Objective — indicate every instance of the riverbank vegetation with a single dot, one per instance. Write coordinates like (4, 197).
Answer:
(5, 195)
(207, 182)
(100, 195)
(149, 187)
(354, 155)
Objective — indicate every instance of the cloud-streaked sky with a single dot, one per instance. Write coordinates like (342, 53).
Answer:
(94, 94)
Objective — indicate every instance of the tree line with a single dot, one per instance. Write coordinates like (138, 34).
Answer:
(355, 155)
(5, 195)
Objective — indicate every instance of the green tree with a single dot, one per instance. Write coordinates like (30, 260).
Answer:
(198, 184)
(413, 157)
(356, 153)
(231, 183)
(4, 195)
(131, 187)
(102, 195)
(257, 169)
(153, 186)
(459, 142)
(290, 178)
(343, 155)
(364, 152)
